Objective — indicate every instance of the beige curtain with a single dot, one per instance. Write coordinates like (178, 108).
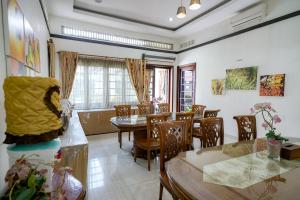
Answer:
(147, 84)
(51, 58)
(137, 73)
(68, 64)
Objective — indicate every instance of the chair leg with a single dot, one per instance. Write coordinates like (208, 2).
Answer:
(161, 187)
(148, 158)
(129, 135)
(120, 138)
(135, 151)
(201, 143)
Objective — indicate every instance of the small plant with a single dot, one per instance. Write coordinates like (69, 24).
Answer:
(25, 181)
(270, 119)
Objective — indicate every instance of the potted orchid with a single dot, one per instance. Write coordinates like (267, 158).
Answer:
(270, 118)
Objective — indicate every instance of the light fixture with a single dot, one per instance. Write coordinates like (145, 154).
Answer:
(181, 12)
(195, 4)
(170, 19)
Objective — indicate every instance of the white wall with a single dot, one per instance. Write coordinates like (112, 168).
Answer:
(34, 15)
(274, 49)
(3, 154)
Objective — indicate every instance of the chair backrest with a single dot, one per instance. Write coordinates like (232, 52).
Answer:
(123, 110)
(172, 140)
(246, 127)
(163, 107)
(198, 109)
(211, 113)
(152, 126)
(187, 117)
(144, 109)
(213, 131)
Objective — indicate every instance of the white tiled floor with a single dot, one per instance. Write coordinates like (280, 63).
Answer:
(113, 174)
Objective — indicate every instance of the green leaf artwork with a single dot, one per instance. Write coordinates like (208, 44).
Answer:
(241, 78)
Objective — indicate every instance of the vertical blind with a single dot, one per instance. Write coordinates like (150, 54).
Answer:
(101, 84)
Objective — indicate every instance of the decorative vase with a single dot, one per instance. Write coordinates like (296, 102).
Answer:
(274, 147)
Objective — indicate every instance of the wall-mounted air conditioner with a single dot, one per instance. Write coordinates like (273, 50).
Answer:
(249, 17)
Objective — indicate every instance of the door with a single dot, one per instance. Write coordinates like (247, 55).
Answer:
(186, 81)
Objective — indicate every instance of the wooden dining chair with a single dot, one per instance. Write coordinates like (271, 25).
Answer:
(163, 107)
(173, 135)
(246, 127)
(188, 117)
(144, 109)
(198, 109)
(151, 143)
(122, 111)
(211, 113)
(212, 131)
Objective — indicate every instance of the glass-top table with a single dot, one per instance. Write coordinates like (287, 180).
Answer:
(234, 171)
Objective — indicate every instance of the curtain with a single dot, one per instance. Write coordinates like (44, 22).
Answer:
(68, 65)
(51, 58)
(101, 84)
(147, 84)
(137, 73)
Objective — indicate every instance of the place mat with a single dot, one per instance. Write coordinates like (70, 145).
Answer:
(244, 171)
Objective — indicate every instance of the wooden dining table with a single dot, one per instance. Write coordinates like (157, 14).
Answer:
(234, 171)
(138, 125)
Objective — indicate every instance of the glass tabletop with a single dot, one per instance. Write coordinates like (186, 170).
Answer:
(235, 171)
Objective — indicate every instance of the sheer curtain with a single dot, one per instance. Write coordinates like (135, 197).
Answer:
(101, 84)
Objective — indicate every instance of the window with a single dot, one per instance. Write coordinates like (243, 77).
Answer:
(114, 38)
(101, 84)
(160, 87)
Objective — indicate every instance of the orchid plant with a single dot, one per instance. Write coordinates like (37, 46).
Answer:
(270, 118)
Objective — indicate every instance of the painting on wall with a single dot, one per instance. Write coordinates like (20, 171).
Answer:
(218, 86)
(29, 45)
(37, 59)
(16, 41)
(15, 68)
(241, 78)
(272, 85)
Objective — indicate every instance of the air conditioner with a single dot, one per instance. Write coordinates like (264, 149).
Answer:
(249, 17)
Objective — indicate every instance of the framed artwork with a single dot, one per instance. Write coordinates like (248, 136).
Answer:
(15, 68)
(29, 45)
(241, 78)
(218, 86)
(16, 42)
(272, 85)
(37, 59)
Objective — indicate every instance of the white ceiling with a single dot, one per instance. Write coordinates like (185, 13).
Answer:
(155, 12)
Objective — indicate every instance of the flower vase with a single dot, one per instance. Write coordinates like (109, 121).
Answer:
(274, 147)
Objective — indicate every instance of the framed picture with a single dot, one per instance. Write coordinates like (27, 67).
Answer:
(241, 78)
(272, 85)
(15, 68)
(218, 86)
(29, 45)
(16, 41)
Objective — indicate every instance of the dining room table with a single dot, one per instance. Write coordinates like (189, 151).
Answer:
(138, 125)
(234, 171)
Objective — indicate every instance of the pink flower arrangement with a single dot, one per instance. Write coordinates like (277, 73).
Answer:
(270, 118)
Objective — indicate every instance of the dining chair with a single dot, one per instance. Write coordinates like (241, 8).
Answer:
(198, 109)
(172, 142)
(144, 109)
(246, 127)
(197, 131)
(163, 107)
(122, 111)
(151, 143)
(211, 113)
(188, 117)
(212, 131)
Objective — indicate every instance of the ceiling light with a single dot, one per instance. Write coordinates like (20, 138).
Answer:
(181, 12)
(170, 19)
(195, 4)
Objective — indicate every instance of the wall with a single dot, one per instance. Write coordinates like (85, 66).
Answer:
(34, 15)
(3, 154)
(274, 49)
